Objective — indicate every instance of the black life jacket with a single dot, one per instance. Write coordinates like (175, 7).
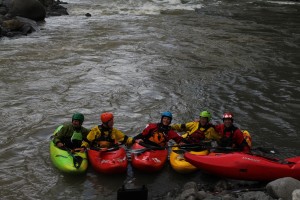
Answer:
(104, 138)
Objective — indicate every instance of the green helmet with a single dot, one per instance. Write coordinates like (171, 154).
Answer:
(206, 114)
(78, 116)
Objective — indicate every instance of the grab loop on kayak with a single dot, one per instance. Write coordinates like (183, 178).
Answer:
(77, 160)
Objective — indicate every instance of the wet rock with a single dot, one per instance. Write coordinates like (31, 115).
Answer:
(56, 9)
(31, 9)
(189, 185)
(283, 188)
(222, 185)
(3, 10)
(296, 194)
(255, 195)
(201, 194)
(12, 25)
(188, 193)
(18, 26)
(28, 13)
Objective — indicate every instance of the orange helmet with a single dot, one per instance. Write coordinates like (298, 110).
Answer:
(106, 117)
(228, 115)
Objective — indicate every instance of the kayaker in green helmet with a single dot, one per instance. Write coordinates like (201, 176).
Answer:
(72, 134)
(199, 130)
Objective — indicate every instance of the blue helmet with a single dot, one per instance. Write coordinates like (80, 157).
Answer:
(167, 114)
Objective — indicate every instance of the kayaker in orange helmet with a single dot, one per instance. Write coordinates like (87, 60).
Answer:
(105, 135)
(199, 130)
(159, 134)
(72, 134)
(231, 136)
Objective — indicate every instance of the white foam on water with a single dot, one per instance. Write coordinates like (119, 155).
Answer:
(131, 7)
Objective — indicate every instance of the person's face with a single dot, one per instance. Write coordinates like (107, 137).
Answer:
(227, 122)
(203, 121)
(76, 123)
(110, 123)
(166, 121)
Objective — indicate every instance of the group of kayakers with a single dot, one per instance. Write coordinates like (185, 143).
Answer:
(78, 138)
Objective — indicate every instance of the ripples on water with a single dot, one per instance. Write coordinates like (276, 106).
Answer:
(138, 59)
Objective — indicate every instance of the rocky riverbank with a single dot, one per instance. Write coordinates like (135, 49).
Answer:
(284, 188)
(18, 17)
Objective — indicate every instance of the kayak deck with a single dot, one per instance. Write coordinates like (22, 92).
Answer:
(68, 162)
(108, 162)
(179, 164)
(151, 160)
(243, 166)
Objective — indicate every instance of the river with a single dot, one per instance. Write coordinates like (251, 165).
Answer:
(138, 59)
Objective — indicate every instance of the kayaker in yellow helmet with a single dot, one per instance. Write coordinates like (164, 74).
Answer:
(231, 136)
(198, 130)
(105, 135)
(71, 134)
(159, 133)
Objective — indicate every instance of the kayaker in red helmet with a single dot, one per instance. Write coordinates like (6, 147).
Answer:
(71, 134)
(159, 134)
(231, 136)
(105, 135)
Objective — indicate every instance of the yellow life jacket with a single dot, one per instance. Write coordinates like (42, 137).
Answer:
(247, 137)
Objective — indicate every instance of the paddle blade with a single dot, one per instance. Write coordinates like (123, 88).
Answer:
(77, 160)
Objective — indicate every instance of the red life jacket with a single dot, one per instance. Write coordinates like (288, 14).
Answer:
(198, 135)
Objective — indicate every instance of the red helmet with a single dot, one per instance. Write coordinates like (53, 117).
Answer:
(228, 115)
(106, 117)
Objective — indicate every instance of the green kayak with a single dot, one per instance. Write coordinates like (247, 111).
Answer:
(65, 161)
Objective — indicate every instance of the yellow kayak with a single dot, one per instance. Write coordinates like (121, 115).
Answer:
(179, 164)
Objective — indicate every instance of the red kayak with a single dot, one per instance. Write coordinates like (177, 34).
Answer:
(148, 158)
(108, 161)
(243, 166)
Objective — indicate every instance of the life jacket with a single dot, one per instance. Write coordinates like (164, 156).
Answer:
(158, 135)
(76, 139)
(198, 135)
(104, 141)
(247, 137)
(227, 141)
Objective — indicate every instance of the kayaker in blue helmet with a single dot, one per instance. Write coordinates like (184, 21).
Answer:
(159, 133)
(199, 130)
(72, 134)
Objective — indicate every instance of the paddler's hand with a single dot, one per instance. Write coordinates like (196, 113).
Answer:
(79, 149)
(138, 140)
(181, 143)
(60, 145)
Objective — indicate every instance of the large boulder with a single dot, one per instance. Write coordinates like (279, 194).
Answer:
(31, 9)
(283, 188)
